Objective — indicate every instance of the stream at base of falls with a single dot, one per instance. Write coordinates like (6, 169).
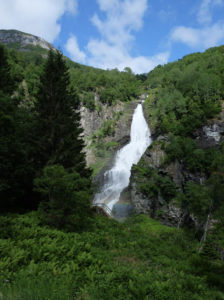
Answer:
(117, 178)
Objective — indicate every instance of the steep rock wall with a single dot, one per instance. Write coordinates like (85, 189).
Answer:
(93, 121)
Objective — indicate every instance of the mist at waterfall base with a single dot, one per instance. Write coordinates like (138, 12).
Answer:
(117, 178)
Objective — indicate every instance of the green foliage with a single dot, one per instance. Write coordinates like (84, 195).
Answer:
(198, 199)
(209, 251)
(39, 125)
(99, 142)
(139, 259)
(110, 85)
(65, 194)
(16, 141)
(107, 128)
(58, 120)
(185, 149)
(65, 198)
(188, 92)
(153, 185)
(7, 83)
(88, 101)
(32, 78)
(16, 150)
(211, 270)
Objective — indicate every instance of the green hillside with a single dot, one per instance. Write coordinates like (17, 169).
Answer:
(184, 96)
(139, 259)
(110, 85)
(52, 245)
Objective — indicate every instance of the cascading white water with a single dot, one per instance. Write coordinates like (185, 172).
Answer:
(117, 179)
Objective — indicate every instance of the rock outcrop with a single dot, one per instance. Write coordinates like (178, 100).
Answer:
(92, 121)
(22, 40)
(212, 133)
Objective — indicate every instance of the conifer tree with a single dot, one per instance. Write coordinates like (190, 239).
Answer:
(65, 182)
(59, 121)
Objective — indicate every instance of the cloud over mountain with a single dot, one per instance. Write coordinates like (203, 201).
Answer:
(37, 17)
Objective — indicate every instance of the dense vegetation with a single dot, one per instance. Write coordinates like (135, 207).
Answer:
(42, 159)
(183, 96)
(139, 259)
(187, 92)
(51, 245)
(107, 85)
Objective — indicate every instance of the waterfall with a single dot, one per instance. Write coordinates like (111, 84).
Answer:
(117, 179)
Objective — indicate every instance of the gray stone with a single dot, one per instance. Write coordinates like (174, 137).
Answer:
(91, 121)
(23, 39)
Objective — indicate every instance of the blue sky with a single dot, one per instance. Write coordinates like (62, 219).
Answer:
(139, 34)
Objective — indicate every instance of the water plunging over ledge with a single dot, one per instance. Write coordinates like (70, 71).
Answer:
(117, 178)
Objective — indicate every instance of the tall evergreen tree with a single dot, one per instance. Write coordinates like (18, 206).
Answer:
(65, 181)
(59, 120)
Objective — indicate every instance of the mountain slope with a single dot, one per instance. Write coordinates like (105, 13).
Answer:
(140, 258)
(103, 93)
(180, 179)
(22, 41)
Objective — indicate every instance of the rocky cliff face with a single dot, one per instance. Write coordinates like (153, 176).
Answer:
(12, 37)
(93, 121)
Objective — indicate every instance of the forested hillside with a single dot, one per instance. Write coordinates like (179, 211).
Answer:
(27, 55)
(52, 245)
(187, 92)
(185, 97)
(182, 173)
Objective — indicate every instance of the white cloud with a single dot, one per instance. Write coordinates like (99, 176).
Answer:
(208, 34)
(39, 17)
(143, 64)
(106, 56)
(204, 15)
(122, 18)
(73, 49)
(186, 35)
(117, 27)
(204, 37)
(113, 50)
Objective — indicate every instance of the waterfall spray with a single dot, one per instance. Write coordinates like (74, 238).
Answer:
(117, 179)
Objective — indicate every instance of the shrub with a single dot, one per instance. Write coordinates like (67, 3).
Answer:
(65, 198)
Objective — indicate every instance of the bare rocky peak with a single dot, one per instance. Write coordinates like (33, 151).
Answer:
(14, 36)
